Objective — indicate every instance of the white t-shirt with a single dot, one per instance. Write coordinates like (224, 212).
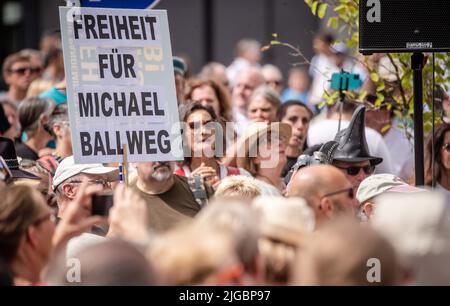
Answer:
(267, 189)
(402, 152)
(242, 122)
(324, 67)
(326, 130)
(443, 190)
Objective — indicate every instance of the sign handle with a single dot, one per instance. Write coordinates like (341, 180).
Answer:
(123, 168)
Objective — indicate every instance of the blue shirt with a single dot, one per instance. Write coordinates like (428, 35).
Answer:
(55, 95)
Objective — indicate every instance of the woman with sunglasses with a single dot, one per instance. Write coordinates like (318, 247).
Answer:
(204, 145)
(441, 167)
(29, 238)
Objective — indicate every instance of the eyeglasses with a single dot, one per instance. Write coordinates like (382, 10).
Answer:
(24, 70)
(353, 171)
(446, 147)
(102, 182)
(350, 193)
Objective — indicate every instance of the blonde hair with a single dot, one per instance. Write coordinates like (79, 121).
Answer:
(188, 256)
(19, 211)
(239, 187)
(38, 86)
(239, 221)
(284, 222)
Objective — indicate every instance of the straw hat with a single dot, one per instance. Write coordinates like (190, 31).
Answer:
(256, 131)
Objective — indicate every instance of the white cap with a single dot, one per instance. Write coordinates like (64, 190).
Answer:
(67, 169)
(378, 184)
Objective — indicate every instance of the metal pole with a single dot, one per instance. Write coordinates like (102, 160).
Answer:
(417, 62)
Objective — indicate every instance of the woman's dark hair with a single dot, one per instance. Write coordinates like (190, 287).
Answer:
(30, 111)
(282, 110)
(52, 56)
(439, 135)
(220, 92)
(190, 107)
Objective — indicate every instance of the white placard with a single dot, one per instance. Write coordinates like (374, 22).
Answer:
(120, 85)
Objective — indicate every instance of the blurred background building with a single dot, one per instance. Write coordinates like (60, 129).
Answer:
(202, 30)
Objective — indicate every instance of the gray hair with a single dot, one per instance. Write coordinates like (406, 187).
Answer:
(267, 93)
(247, 44)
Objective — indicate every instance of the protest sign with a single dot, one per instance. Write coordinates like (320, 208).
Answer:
(120, 85)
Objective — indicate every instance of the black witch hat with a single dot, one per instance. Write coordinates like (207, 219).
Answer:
(352, 141)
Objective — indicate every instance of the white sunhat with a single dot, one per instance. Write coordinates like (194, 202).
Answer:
(67, 169)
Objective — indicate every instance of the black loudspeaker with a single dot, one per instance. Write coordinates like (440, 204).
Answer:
(404, 26)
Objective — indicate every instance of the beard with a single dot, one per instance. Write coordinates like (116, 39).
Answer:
(161, 173)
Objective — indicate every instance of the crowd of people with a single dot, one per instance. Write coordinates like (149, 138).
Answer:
(273, 189)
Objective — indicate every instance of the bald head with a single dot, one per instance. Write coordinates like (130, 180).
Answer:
(325, 189)
(315, 180)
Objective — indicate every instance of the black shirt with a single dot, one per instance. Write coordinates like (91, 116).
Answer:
(25, 152)
(289, 163)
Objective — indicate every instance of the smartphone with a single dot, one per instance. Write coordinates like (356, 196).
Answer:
(101, 204)
(345, 81)
(5, 173)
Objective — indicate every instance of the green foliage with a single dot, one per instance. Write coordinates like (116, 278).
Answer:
(343, 16)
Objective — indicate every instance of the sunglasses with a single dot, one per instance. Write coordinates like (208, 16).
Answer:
(24, 70)
(196, 124)
(353, 171)
(446, 147)
(350, 193)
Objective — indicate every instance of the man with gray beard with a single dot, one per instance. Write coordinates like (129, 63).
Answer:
(169, 197)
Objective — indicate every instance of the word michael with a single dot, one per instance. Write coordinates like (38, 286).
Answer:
(106, 104)
(115, 27)
(138, 142)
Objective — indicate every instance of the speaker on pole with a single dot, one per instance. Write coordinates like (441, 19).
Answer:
(396, 26)
(404, 26)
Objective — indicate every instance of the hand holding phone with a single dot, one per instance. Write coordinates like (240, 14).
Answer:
(101, 204)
